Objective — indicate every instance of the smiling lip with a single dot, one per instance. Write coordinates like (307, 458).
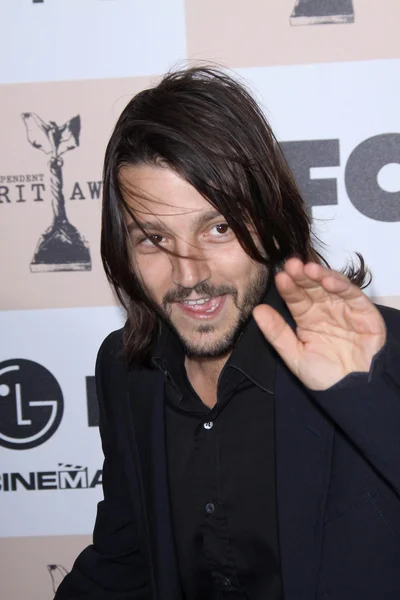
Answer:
(204, 310)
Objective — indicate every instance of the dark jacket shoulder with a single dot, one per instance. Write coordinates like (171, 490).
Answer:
(113, 345)
(110, 355)
(390, 314)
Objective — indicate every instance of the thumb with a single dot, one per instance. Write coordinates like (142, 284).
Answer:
(279, 334)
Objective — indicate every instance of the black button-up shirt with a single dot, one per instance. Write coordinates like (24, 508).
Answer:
(221, 464)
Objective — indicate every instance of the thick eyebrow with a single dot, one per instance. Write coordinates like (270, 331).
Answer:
(147, 226)
(203, 218)
(199, 221)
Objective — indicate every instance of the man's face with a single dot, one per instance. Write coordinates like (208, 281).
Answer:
(208, 291)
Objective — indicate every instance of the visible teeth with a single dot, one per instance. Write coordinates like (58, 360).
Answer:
(194, 302)
(213, 308)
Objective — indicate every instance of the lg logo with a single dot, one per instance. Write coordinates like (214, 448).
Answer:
(31, 404)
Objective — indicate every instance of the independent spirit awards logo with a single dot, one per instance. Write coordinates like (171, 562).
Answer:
(321, 12)
(31, 404)
(61, 247)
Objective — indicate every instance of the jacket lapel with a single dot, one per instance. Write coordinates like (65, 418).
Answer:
(146, 394)
(304, 440)
(303, 449)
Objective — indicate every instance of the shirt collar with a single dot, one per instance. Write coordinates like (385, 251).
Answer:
(253, 355)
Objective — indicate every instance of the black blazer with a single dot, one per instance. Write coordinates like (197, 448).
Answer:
(338, 482)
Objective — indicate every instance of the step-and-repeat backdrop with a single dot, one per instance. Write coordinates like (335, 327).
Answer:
(327, 75)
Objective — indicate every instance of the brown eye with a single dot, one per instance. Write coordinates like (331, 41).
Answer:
(157, 239)
(151, 241)
(220, 232)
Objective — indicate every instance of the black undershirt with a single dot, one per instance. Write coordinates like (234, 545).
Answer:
(221, 465)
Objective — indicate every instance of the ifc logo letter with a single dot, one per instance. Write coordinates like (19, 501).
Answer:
(31, 404)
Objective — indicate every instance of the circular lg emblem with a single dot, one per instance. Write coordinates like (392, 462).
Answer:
(31, 404)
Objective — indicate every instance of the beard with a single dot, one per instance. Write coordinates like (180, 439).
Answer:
(220, 347)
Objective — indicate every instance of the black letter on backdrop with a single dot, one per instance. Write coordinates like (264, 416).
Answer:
(361, 177)
(92, 402)
(4, 193)
(38, 187)
(304, 155)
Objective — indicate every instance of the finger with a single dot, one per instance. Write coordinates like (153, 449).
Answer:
(318, 273)
(299, 272)
(336, 283)
(321, 282)
(279, 334)
(296, 297)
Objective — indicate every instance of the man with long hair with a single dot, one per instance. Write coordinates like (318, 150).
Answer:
(250, 406)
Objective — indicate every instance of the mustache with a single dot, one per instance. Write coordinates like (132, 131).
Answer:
(202, 289)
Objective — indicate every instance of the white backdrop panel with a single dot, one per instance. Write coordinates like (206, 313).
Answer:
(349, 102)
(65, 342)
(57, 40)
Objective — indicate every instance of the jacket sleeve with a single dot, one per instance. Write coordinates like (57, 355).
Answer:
(367, 409)
(112, 568)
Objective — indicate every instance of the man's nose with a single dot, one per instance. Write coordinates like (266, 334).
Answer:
(190, 268)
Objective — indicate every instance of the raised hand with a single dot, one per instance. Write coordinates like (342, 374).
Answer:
(339, 330)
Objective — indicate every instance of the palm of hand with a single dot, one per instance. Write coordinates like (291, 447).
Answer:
(338, 332)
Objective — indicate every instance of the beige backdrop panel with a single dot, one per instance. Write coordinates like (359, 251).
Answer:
(98, 103)
(393, 301)
(27, 562)
(259, 33)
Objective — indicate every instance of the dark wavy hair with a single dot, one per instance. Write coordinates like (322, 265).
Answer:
(205, 125)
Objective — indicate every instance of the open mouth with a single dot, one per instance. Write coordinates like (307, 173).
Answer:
(202, 307)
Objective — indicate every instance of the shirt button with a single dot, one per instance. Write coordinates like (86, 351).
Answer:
(210, 508)
(208, 425)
